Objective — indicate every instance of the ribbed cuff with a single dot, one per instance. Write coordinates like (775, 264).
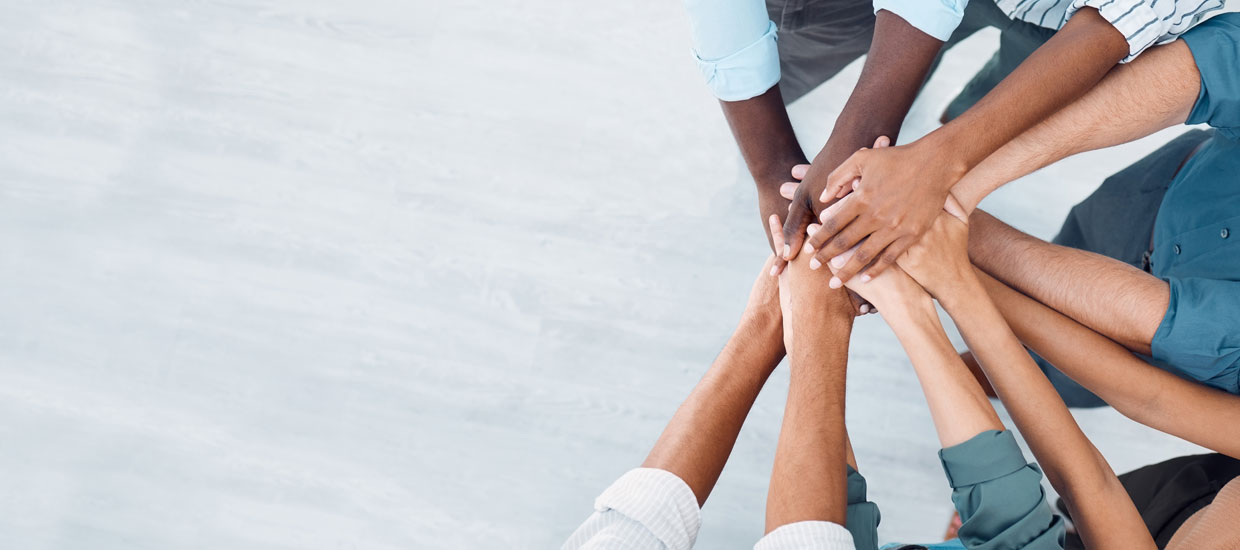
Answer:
(806, 535)
(658, 500)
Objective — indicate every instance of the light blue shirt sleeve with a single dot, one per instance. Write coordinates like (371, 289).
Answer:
(734, 45)
(937, 18)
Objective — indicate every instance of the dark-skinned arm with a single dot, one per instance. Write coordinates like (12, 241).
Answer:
(899, 59)
(902, 188)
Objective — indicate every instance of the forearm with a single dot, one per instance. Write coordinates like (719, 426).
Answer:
(699, 438)
(1070, 461)
(765, 137)
(808, 480)
(1106, 295)
(1063, 69)
(958, 405)
(1155, 91)
(1138, 390)
(895, 68)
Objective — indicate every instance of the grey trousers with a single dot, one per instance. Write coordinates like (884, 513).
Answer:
(818, 38)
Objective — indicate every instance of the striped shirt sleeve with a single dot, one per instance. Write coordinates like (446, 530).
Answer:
(1146, 23)
(807, 535)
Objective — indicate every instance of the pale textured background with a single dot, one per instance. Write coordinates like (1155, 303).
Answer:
(380, 274)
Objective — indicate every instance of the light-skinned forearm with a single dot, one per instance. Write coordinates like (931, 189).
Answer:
(1101, 508)
(958, 405)
(1106, 295)
(1138, 390)
(1060, 71)
(808, 481)
(1155, 91)
(699, 438)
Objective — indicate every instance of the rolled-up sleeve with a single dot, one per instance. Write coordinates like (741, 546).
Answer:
(1215, 45)
(646, 509)
(807, 535)
(1146, 23)
(1198, 333)
(937, 18)
(999, 495)
(734, 44)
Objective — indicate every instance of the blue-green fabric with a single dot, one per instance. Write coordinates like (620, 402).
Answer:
(998, 495)
(862, 516)
(1197, 231)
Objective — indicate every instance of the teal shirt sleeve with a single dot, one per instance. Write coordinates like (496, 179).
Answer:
(937, 18)
(1198, 333)
(999, 495)
(1215, 45)
(734, 46)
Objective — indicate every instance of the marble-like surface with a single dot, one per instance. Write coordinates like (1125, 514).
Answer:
(380, 274)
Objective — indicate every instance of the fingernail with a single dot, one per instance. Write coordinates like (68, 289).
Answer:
(815, 264)
(835, 282)
(787, 251)
(837, 262)
(856, 182)
(807, 249)
(865, 308)
(866, 278)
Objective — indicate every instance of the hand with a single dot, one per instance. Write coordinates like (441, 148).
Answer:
(776, 265)
(892, 196)
(891, 290)
(940, 260)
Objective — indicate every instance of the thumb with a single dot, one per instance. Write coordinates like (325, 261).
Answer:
(799, 217)
(843, 175)
(952, 206)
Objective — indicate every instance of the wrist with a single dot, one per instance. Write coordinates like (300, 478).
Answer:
(942, 147)
(955, 294)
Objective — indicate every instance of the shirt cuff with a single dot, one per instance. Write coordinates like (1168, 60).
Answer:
(658, 500)
(937, 18)
(807, 535)
(989, 455)
(746, 74)
(1142, 23)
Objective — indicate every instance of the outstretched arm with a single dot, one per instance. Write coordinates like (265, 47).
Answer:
(808, 480)
(1138, 390)
(1103, 511)
(1164, 82)
(901, 188)
(698, 439)
(1104, 294)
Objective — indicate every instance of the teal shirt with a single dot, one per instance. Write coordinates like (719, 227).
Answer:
(1197, 231)
(998, 494)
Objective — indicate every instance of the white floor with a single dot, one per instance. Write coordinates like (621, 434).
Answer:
(380, 274)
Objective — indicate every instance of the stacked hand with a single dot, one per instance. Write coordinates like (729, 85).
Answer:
(880, 201)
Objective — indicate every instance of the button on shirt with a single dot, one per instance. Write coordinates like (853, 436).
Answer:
(1200, 333)
(734, 41)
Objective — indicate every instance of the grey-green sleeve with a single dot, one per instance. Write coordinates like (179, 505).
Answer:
(999, 495)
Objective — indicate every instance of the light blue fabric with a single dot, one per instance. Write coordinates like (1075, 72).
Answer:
(937, 18)
(1197, 231)
(734, 45)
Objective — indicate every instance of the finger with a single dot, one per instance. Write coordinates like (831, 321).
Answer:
(888, 257)
(841, 243)
(843, 174)
(834, 218)
(799, 216)
(788, 189)
(882, 141)
(777, 240)
(865, 253)
(848, 189)
(799, 171)
(952, 206)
